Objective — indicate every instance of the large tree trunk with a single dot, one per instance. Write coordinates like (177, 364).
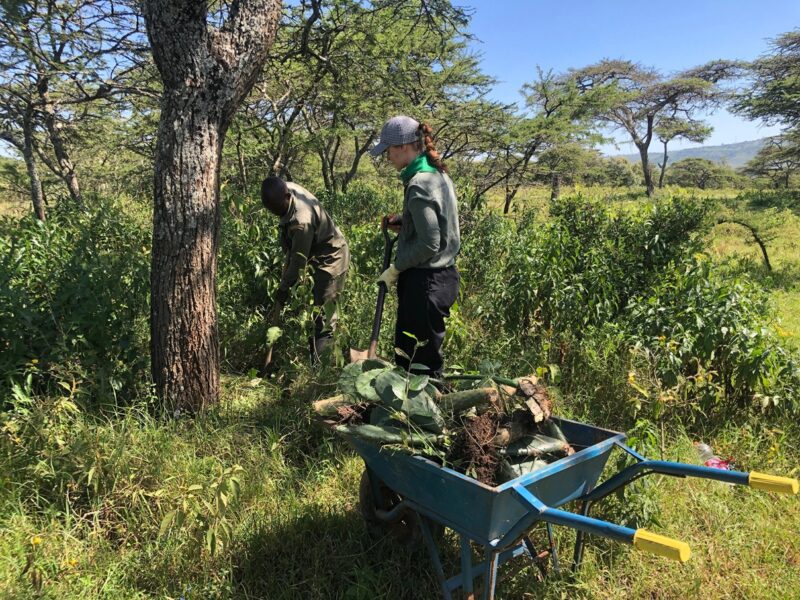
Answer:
(183, 311)
(648, 174)
(37, 193)
(206, 71)
(644, 146)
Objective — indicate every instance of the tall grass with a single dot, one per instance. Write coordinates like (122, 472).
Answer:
(104, 499)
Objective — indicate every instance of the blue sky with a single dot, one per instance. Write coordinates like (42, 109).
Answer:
(517, 35)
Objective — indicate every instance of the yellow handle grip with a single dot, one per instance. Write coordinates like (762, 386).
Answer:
(647, 541)
(772, 483)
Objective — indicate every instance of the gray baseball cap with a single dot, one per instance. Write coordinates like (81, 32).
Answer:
(397, 130)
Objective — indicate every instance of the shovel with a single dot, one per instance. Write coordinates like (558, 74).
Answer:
(388, 242)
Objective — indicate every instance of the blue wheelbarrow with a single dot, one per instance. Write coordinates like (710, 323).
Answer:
(410, 495)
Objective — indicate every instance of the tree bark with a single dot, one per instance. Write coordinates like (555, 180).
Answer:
(644, 145)
(37, 193)
(206, 71)
(66, 168)
(555, 186)
(663, 167)
(648, 175)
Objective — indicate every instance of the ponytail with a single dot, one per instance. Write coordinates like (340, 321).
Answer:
(426, 142)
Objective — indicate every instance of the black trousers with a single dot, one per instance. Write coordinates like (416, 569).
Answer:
(424, 300)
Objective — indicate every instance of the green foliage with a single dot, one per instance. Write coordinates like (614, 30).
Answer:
(611, 171)
(705, 338)
(774, 93)
(203, 512)
(624, 304)
(701, 173)
(73, 300)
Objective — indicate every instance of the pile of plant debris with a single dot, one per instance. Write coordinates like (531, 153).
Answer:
(492, 433)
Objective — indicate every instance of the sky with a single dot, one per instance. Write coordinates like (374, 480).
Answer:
(514, 36)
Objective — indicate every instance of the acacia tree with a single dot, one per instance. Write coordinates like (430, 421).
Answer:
(778, 160)
(208, 62)
(58, 59)
(700, 173)
(643, 94)
(773, 92)
(773, 95)
(672, 128)
(339, 68)
(556, 114)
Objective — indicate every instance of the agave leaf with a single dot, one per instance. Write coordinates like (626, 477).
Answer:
(347, 380)
(391, 386)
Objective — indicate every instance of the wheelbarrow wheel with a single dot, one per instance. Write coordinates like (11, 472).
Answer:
(405, 530)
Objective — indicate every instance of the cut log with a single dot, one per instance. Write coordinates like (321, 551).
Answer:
(458, 402)
(328, 406)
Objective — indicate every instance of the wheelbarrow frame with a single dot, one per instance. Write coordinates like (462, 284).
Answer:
(499, 518)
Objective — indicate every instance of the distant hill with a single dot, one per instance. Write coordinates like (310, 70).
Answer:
(734, 155)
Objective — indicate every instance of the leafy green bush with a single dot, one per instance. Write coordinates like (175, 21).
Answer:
(709, 343)
(73, 300)
(622, 304)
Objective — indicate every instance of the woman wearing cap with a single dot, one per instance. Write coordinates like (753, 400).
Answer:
(428, 242)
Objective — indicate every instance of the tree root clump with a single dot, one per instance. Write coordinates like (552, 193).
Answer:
(473, 451)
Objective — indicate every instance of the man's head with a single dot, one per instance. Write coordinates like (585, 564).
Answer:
(275, 195)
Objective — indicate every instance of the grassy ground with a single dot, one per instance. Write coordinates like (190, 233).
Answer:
(296, 532)
(83, 513)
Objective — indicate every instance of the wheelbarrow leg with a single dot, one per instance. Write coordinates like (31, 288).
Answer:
(490, 574)
(466, 568)
(553, 549)
(433, 551)
(580, 540)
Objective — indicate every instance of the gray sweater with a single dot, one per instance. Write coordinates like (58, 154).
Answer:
(429, 237)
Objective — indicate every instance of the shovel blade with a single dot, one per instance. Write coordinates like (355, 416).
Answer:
(356, 355)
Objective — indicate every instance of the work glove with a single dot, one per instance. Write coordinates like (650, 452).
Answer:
(389, 276)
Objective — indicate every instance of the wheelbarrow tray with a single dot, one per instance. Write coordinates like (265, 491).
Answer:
(487, 514)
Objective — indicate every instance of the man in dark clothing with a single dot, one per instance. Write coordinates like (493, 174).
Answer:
(308, 236)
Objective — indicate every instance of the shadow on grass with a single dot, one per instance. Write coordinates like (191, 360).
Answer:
(320, 554)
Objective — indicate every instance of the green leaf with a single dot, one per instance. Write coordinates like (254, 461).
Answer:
(391, 386)
(417, 382)
(166, 522)
(365, 385)
(211, 541)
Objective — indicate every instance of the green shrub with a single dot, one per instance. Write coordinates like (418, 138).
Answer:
(73, 300)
